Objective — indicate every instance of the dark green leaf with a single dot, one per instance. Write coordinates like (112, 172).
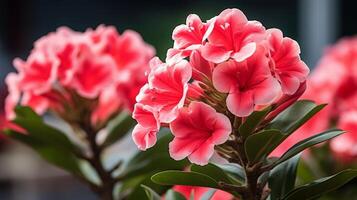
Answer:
(266, 140)
(118, 128)
(235, 172)
(295, 116)
(252, 122)
(322, 186)
(213, 171)
(308, 142)
(282, 178)
(137, 192)
(151, 194)
(172, 195)
(173, 177)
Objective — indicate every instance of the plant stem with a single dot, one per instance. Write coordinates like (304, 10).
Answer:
(105, 190)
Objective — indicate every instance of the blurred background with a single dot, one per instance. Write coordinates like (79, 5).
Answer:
(23, 176)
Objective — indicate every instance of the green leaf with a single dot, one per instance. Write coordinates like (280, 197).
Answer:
(295, 116)
(58, 157)
(266, 140)
(174, 177)
(118, 128)
(321, 186)
(308, 142)
(36, 128)
(236, 172)
(172, 195)
(282, 178)
(151, 194)
(137, 192)
(252, 122)
(27, 112)
(213, 171)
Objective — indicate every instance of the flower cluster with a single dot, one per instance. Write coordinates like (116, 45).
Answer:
(98, 72)
(217, 73)
(340, 92)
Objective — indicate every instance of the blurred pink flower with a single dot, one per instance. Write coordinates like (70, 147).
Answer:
(66, 67)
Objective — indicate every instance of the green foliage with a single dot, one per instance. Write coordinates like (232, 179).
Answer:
(151, 194)
(174, 177)
(308, 142)
(321, 186)
(266, 140)
(282, 178)
(252, 122)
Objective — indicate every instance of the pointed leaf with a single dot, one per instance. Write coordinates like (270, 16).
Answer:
(173, 177)
(282, 178)
(308, 142)
(266, 140)
(213, 171)
(252, 122)
(295, 116)
(321, 186)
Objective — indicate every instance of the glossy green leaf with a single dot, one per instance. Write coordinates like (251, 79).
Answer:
(321, 186)
(213, 171)
(118, 128)
(234, 171)
(58, 157)
(266, 140)
(295, 116)
(308, 142)
(252, 122)
(282, 178)
(173, 177)
(172, 195)
(151, 194)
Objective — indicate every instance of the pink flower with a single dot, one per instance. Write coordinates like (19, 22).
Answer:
(144, 133)
(191, 35)
(93, 74)
(199, 192)
(201, 68)
(37, 74)
(108, 105)
(344, 146)
(233, 36)
(197, 129)
(249, 83)
(69, 69)
(11, 101)
(167, 89)
(287, 66)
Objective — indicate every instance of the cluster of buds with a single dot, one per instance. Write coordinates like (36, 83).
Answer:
(92, 75)
(216, 75)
